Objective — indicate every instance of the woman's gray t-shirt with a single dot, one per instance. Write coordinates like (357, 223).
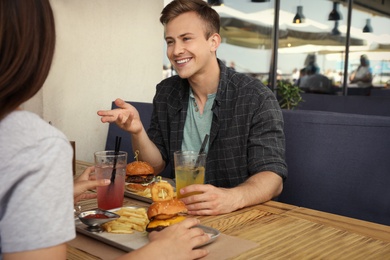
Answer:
(36, 193)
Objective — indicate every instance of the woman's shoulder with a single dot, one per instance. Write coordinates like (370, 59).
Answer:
(27, 129)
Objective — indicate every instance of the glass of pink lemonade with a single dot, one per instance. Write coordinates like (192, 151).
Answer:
(111, 196)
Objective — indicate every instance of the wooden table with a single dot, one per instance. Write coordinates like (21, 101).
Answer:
(284, 231)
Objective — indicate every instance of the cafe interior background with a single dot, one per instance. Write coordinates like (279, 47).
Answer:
(109, 49)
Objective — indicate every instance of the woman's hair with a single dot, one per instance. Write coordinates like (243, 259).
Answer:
(200, 7)
(27, 40)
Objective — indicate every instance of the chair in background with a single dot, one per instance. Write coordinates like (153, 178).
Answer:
(359, 91)
(318, 83)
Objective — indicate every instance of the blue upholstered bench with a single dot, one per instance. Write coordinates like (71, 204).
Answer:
(145, 113)
(338, 163)
(362, 105)
(380, 92)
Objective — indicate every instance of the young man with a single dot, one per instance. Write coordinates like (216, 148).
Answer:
(245, 161)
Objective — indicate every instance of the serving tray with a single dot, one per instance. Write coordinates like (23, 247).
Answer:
(130, 242)
(135, 196)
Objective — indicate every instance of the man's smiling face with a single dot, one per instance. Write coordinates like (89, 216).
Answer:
(187, 47)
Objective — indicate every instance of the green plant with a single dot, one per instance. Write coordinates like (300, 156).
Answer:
(289, 95)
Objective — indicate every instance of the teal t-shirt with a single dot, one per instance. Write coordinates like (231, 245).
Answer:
(197, 125)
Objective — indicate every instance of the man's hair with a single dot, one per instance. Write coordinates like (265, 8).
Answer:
(27, 40)
(364, 59)
(200, 7)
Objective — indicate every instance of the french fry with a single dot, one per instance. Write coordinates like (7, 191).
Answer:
(130, 219)
(139, 228)
(122, 231)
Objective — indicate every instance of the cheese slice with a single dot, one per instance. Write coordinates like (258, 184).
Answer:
(166, 222)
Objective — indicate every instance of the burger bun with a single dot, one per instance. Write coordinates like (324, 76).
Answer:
(139, 168)
(166, 209)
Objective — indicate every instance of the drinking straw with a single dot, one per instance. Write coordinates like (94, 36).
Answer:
(202, 148)
(118, 141)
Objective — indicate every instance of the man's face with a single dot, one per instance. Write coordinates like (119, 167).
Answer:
(188, 49)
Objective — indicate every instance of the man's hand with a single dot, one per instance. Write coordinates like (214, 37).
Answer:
(125, 116)
(259, 188)
(211, 201)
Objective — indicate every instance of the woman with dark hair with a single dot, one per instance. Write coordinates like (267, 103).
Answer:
(27, 48)
(35, 158)
(36, 195)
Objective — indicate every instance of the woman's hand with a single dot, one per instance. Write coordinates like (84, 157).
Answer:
(180, 240)
(87, 181)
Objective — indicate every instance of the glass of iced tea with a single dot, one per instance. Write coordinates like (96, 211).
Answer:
(111, 196)
(189, 169)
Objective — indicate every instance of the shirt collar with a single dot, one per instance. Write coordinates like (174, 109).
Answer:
(222, 86)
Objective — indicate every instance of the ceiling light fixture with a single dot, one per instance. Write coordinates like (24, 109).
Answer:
(299, 17)
(215, 2)
(335, 14)
(259, 1)
(367, 28)
(335, 30)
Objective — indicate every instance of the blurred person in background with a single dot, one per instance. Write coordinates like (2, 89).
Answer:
(362, 76)
(315, 82)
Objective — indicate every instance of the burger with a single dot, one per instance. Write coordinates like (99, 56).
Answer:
(139, 176)
(165, 210)
(162, 214)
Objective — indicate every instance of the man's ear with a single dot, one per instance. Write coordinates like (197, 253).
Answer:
(215, 41)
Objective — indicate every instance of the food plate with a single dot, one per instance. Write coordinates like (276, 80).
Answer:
(130, 242)
(126, 242)
(137, 196)
(212, 232)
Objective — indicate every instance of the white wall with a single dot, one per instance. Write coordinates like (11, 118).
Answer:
(105, 49)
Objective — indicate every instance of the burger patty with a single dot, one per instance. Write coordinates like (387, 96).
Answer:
(140, 178)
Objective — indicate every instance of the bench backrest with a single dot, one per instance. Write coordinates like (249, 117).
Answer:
(338, 163)
(362, 105)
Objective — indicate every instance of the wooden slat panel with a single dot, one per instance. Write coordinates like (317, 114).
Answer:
(73, 253)
(283, 237)
(350, 224)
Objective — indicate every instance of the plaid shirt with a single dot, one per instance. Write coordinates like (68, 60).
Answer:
(246, 135)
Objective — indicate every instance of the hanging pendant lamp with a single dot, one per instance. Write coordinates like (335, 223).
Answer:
(215, 2)
(335, 14)
(367, 28)
(299, 17)
(335, 30)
